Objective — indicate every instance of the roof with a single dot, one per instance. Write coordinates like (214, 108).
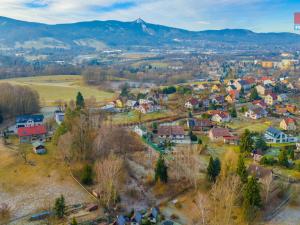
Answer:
(260, 103)
(223, 114)
(37, 144)
(274, 131)
(220, 132)
(258, 110)
(273, 96)
(28, 131)
(193, 101)
(25, 118)
(199, 123)
(289, 120)
(170, 130)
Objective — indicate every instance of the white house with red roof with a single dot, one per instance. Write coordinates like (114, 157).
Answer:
(32, 134)
(192, 103)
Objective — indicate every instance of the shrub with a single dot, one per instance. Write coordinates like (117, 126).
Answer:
(4, 213)
(87, 175)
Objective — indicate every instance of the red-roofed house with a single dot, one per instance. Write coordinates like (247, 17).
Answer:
(193, 103)
(288, 124)
(222, 134)
(32, 134)
(260, 103)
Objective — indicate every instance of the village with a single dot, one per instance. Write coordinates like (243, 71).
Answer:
(186, 126)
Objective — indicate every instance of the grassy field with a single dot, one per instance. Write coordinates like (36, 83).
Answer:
(64, 87)
(240, 124)
(28, 188)
(133, 117)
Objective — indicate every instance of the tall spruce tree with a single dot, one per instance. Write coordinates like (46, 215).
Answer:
(246, 144)
(60, 207)
(161, 170)
(254, 95)
(79, 101)
(242, 170)
(213, 169)
(251, 199)
(233, 112)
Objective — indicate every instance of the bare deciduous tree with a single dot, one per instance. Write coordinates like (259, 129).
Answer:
(108, 172)
(267, 183)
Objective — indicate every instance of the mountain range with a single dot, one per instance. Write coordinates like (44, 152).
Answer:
(111, 34)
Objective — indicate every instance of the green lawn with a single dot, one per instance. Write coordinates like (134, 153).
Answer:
(64, 87)
(253, 125)
(133, 117)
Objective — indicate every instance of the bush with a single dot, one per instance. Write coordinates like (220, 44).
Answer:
(4, 213)
(268, 160)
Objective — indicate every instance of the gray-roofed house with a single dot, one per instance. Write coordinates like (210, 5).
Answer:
(29, 120)
(273, 135)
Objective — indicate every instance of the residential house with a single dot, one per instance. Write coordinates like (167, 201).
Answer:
(222, 134)
(230, 99)
(153, 216)
(29, 120)
(121, 220)
(131, 104)
(256, 112)
(217, 99)
(39, 147)
(271, 99)
(32, 134)
(291, 108)
(260, 103)
(282, 98)
(140, 130)
(174, 133)
(288, 124)
(281, 110)
(273, 135)
(221, 117)
(136, 219)
(263, 90)
(119, 103)
(192, 103)
(145, 108)
(245, 84)
(230, 88)
(59, 116)
(216, 88)
(199, 124)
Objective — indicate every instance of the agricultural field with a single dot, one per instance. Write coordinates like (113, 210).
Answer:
(64, 87)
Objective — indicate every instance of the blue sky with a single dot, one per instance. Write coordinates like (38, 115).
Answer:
(257, 15)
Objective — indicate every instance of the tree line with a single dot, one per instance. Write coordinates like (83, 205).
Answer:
(16, 100)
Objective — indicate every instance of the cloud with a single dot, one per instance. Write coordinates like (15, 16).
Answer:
(188, 14)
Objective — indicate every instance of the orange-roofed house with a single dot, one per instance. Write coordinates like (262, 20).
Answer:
(288, 124)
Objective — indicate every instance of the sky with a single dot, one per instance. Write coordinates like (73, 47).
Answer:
(256, 15)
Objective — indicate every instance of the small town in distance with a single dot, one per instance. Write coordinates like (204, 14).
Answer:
(133, 123)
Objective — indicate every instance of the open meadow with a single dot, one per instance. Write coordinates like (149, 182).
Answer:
(32, 187)
(60, 87)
